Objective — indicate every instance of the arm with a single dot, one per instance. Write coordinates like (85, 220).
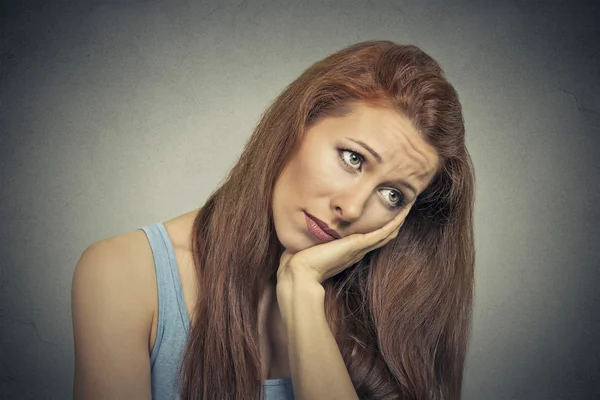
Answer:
(111, 325)
(317, 367)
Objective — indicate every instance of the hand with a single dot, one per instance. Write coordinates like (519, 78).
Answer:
(325, 260)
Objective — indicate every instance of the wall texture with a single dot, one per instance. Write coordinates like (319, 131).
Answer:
(117, 114)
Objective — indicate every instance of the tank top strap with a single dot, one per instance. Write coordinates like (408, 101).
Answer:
(171, 304)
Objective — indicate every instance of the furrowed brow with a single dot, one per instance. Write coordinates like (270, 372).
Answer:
(368, 148)
(380, 160)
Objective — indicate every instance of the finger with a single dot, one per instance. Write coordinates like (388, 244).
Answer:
(384, 235)
(387, 230)
(358, 244)
(399, 219)
(285, 257)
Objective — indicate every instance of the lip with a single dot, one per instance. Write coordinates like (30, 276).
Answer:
(324, 226)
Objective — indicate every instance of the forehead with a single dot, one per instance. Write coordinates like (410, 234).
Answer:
(392, 135)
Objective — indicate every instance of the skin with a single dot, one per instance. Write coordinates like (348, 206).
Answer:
(317, 367)
(366, 201)
(351, 199)
(114, 298)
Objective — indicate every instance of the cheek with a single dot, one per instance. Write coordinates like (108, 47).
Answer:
(281, 195)
(372, 221)
(321, 174)
(375, 217)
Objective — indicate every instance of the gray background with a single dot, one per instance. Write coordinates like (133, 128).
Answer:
(119, 114)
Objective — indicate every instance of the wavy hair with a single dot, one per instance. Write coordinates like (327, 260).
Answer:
(401, 316)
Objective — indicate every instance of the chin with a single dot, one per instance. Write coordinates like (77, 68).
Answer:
(294, 246)
(294, 241)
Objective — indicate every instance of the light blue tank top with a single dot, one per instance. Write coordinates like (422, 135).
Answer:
(173, 325)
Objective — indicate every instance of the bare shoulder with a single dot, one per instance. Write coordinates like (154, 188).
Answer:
(113, 296)
(124, 248)
(122, 265)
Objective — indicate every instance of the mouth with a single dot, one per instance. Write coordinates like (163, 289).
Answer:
(320, 229)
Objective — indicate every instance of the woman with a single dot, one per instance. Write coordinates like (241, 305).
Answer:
(335, 261)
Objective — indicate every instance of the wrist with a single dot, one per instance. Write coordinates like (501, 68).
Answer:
(298, 286)
(304, 280)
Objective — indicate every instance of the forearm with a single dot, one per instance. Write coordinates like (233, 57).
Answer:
(317, 367)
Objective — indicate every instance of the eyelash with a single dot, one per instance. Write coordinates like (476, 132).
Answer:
(341, 150)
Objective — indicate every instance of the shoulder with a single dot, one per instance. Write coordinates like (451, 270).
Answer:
(113, 300)
(121, 264)
(116, 277)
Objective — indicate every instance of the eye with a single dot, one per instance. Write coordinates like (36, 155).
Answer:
(393, 198)
(351, 158)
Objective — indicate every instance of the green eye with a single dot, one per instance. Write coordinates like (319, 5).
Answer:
(393, 198)
(354, 159)
(351, 158)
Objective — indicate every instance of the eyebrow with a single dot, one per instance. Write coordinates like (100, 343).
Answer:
(369, 148)
(380, 160)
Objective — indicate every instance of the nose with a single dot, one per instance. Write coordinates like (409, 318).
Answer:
(349, 204)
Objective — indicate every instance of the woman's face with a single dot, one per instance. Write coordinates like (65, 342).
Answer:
(352, 173)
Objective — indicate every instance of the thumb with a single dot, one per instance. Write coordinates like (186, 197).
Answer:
(285, 257)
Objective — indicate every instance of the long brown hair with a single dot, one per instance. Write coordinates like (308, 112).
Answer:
(401, 316)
